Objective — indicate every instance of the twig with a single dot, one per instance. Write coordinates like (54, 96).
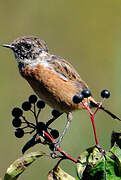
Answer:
(59, 150)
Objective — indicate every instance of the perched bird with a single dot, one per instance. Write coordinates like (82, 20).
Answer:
(52, 78)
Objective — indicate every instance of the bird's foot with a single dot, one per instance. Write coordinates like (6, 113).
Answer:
(56, 145)
(54, 148)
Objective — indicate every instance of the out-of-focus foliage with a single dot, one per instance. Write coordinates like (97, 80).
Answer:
(21, 164)
(94, 163)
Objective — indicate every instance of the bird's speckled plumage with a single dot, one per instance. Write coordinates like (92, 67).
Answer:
(51, 77)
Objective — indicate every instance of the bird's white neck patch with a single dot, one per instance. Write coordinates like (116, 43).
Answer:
(33, 62)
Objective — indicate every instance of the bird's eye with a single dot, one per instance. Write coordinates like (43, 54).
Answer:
(27, 46)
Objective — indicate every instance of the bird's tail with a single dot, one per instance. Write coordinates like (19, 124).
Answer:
(110, 113)
(94, 104)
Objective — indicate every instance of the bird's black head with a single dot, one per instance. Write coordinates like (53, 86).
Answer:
(27, 48)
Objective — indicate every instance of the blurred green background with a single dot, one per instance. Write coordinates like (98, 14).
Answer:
(88, 34)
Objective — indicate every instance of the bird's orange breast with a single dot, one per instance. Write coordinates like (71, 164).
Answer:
(50, 87)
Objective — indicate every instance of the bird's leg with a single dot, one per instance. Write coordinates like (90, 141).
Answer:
(69, 118)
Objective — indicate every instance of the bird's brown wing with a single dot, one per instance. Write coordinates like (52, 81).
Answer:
(66, 71)
(56, 82)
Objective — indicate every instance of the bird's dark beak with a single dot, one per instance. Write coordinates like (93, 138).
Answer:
(8, 46)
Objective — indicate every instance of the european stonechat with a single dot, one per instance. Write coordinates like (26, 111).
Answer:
(52, 78)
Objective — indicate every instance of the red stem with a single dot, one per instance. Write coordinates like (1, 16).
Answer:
(100, 104)
(92, 119)
(94, 129)
(58, 149)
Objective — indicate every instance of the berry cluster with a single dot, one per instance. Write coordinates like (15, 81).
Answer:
(23, 126)
(87, 93)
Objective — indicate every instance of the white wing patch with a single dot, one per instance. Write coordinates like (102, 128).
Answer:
(62, 76)
(47, 64)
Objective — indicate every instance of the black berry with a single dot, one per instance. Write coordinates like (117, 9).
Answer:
(32, 98)
(17, 112)
(54, 133)
(41, 126)
(40, 104)
(105, 93)
(78, 98)
(19, 133)
(51, 146)
(55, 113)
(16, 122)
(86, 93)
(26, 106)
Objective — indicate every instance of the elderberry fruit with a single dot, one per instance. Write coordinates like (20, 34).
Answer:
(19, 132)
(105, 93)
(41, 126)
(78, 98)
(26, 106)
(16, 122)
(17, 112)
(54, 133)
(51, 146)
(32, 99)
(86, 93)
(55, 113)
(40, 104)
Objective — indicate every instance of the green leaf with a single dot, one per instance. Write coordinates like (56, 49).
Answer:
(20, 165)
(87, 160)
(58, 174)
(116, 138)
(115, 155)
(96, 164)
(116, 151)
